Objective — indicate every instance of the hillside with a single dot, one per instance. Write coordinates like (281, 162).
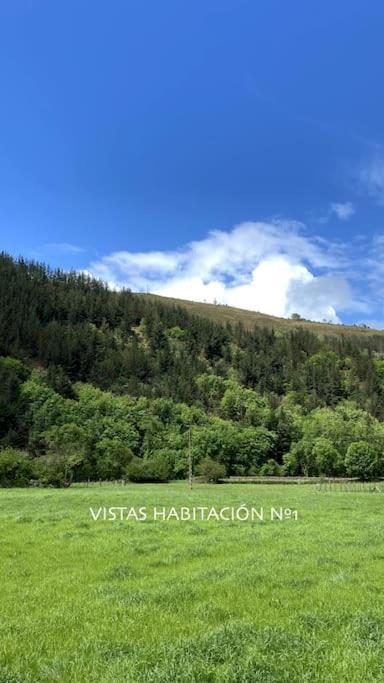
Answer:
(227, 314)
(98, 383)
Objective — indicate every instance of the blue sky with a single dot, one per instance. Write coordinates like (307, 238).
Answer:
(228, 150)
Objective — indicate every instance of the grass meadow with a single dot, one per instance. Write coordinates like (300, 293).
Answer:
(249, 319)
(205, 601)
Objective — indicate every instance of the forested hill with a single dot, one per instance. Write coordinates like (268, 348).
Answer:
(143, 345)
(99, 383)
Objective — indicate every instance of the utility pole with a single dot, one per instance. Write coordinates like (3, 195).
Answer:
(190, 477)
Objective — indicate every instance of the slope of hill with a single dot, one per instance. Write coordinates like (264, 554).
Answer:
(227, 314)
(119, 379)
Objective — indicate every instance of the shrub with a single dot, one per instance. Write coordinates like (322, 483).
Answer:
(362, 460)
(15, 468)
(239, 470)
(211, 470)
(270, 469)
(326, 456)
(174, 459)
(52, 470)
(299, 460)
(141, 471)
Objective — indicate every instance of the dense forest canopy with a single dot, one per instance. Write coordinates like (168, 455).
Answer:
(98, 384)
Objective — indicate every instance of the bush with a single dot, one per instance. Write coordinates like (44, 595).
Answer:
(326, 456)
(51, 470)
(239, 470)
(270, 469)
(362, 460)
(15, 468)
(174, 459)
(211, 470)
(151, 471)
(299, 460)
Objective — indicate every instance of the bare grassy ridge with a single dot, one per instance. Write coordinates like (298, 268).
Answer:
(250, 319)
(191, 602)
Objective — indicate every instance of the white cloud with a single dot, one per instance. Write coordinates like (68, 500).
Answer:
(325, 294)
(272, 267)
(371, 176)
(372, 264)
(342, 211)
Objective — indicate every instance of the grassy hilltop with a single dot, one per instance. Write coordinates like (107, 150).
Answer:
(228, 314)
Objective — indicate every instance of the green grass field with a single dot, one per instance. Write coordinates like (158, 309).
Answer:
(166, 601)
